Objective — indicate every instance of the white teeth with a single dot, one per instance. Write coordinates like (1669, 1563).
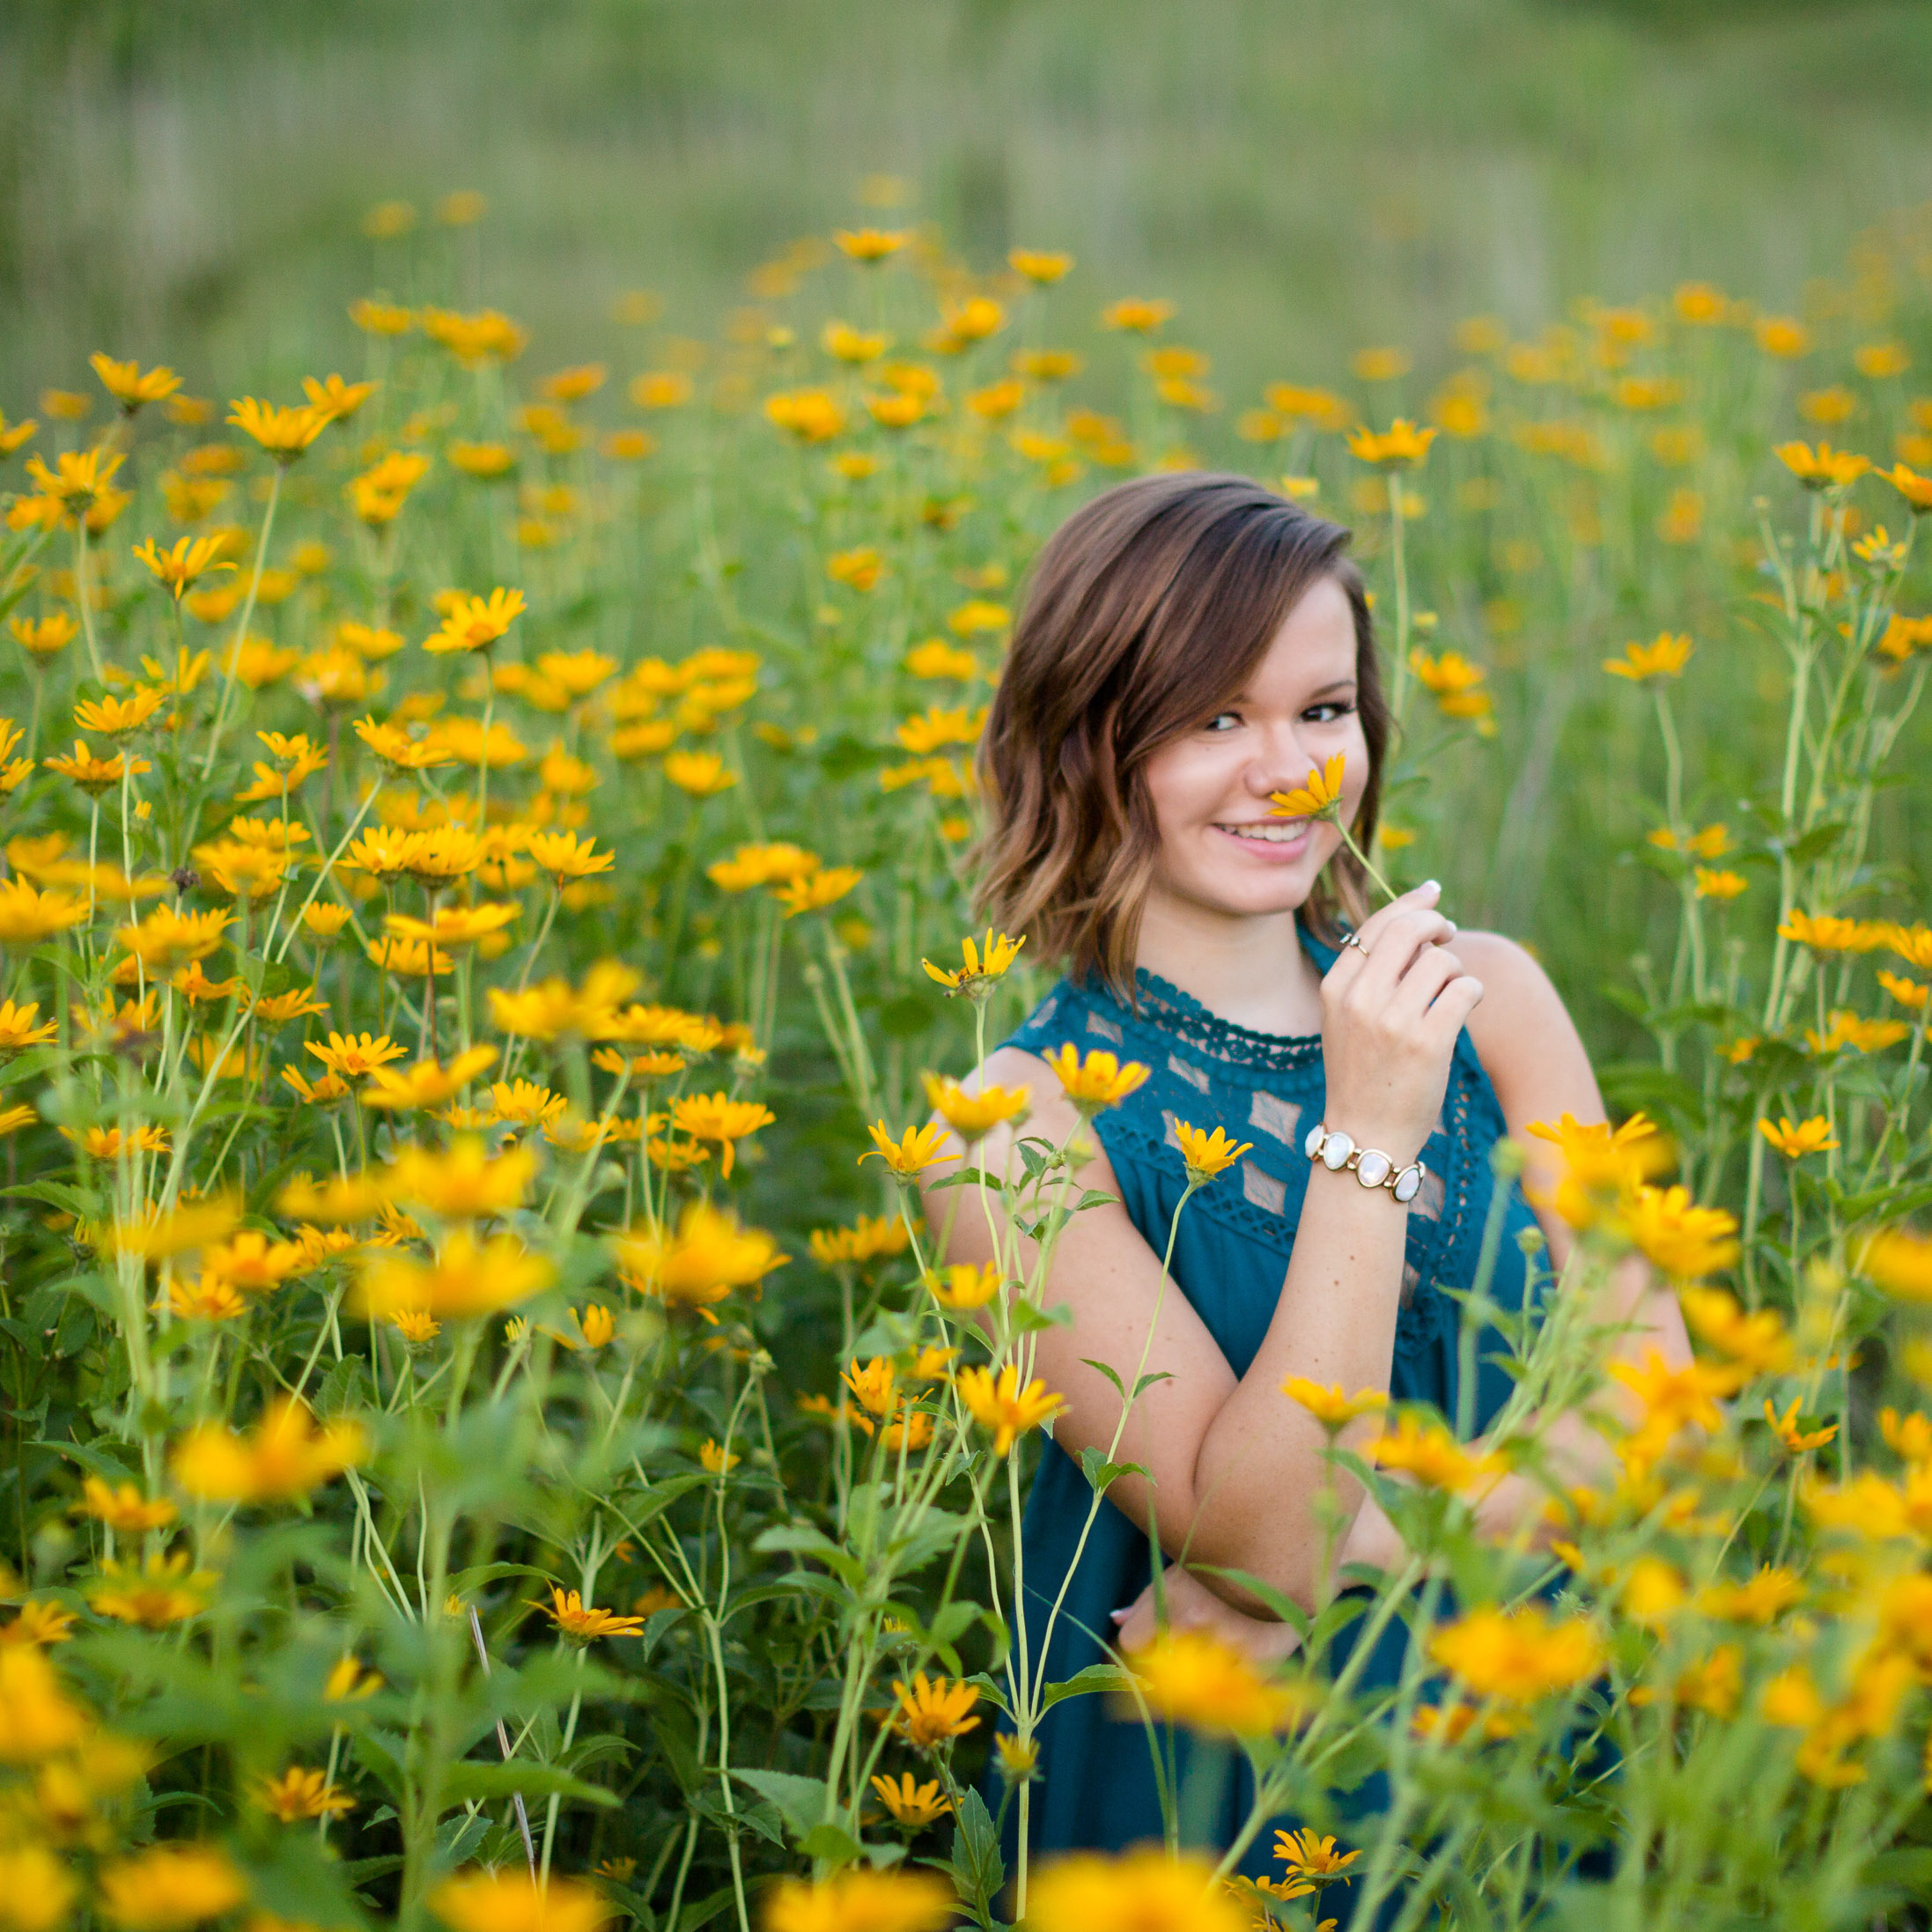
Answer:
(1276, 834)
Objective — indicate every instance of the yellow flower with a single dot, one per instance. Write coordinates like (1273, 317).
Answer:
(709, 1255)
(1653, 1593)
(428, 1083)
(124, 1511)
(19, 1027)
(299, 1794)
(80, 478)
(1848, 1029)
(475, 623)
(1828, 933)
(699, 774)
(912, 1153)
(37, 1717)
(1208, 1155)
(713, 1457)
(1666, 657)
(285, 1456)
(1038, 265)
(934, 1710)
(1823, 469)
(962, 1286)
(514, 1900)
(353, 1055)
(1762, 1599)
(191, 558)
(985, 961)
(1718, 885)
(1908, 993)
(972, 1116)
(1758, 1342)
(1098, 1081)
(1812, 1136)
(1144, 1890)
(1684, 1241)
(28, 915)
(350, 1681)
(580, 1624)
(37, 1889)
(284, 433)
(816, 890)
(1330, 1406)
(468, 1277)
(810, 414)
(130, 386)
(1434, 1457)
(1399, 445)
(1194, 1678)
(44, 637)
(1140, 315)
(95, 775)
(1915, 489)
(168, 1888)
(163, 1591)
(1319, 795)
(1900, 1262)
(1002, 1405)
(858, 1900)
(868, 245)
(1312, 1858)
(1518, 1656)
(717, 1117)
(871, 1238)
(913, 1804)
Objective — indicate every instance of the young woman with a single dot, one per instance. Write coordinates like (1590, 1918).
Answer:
(1189, 645)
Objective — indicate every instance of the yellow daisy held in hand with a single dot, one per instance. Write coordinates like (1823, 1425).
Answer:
(1319, 795)
(1812, 1136)
(912, 1153)
(985, 961)
(1330, 1406)
(1002, 1405)
(1206, 1154)
(1098, 1081)
(972, 1116)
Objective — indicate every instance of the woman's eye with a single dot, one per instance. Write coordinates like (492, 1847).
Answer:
(1326, 714)
(1222, 721)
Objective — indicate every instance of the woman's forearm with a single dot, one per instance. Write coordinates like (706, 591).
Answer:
(1265, 1497)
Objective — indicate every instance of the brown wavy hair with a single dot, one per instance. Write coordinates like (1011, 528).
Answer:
(1145, 613)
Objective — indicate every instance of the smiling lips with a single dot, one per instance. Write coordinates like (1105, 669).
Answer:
(1267, 831)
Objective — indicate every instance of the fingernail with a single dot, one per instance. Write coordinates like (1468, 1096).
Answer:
(1430, 885)
(1120, 1616)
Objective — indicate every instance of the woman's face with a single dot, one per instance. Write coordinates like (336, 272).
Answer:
(1222, 849)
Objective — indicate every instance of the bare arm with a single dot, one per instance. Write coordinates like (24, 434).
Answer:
(1237, 1469)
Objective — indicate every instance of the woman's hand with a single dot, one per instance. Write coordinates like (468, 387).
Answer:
(1191, 1605)
(1392, 1006)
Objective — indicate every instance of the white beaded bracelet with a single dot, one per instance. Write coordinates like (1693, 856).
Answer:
(1370, 1165)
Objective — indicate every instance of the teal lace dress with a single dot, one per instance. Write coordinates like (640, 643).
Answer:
(1097, 1788)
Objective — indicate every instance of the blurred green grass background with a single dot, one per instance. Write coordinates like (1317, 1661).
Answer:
(185, 181)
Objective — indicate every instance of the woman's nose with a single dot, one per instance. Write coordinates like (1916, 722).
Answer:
(1282, 764)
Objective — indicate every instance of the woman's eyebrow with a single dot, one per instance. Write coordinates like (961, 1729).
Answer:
(1339, 684)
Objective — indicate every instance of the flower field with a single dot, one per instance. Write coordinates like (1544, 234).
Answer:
(488, 946)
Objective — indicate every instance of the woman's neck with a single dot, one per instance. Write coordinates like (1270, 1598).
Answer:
(1251, 972)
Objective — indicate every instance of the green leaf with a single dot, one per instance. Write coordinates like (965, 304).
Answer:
(978, 1870)
(832, 1843)
(1101, 1474)
(801, 1801)
(1028, 1320)
(1096, 1677)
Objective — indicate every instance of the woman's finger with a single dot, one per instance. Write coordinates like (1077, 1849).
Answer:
(1423, 898)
